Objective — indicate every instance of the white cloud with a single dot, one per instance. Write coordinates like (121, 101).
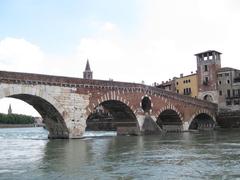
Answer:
(162, 46)
(20, 55)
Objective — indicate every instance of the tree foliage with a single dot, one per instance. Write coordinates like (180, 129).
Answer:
(15, 119)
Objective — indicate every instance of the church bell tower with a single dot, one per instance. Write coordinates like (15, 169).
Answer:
(87, 74)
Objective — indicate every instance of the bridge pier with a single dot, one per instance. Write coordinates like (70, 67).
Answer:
(148, 125)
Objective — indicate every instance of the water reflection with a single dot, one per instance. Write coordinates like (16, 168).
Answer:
(194, 155)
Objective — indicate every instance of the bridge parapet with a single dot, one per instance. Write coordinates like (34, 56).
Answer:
(39, 79)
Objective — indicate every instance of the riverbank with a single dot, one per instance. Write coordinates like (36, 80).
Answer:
(16, 125)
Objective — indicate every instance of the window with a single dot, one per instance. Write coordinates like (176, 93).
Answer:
(236, 102)
(220, 93)
(233, 93)
(226, 74)
(219, 75)
(187, 91)
(228, 93)
(228, 102)
(205, 68)
(205, 82)
(189, 80)
(219, 82)
(177, 91)
(176, 83)
(206, 79)
(228, 81)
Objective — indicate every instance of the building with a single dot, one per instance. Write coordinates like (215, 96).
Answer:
(187, 85)
(208, 64)
(9, 109)
(229, 89)
(87, 74)
(168, 85)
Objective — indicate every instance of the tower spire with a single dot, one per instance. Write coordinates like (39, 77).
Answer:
(9, 109)
(87, 74)
(87, 68)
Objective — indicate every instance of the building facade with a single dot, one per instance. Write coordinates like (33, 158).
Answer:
(229, 89)
(168, 85)
(187, 85)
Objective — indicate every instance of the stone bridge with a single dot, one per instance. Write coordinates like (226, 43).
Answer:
(66, 103)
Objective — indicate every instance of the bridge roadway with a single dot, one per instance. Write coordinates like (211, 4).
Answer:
(66, 103)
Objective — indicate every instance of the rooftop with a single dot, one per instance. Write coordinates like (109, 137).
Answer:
(207, 52)
(224, 69)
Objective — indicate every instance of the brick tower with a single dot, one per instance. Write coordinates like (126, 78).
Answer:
(87, 74)
(208, 63)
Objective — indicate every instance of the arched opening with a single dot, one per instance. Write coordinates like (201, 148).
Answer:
(112, 115)
(146, 104)
(208, 98)
(202, 122)
(170, 121)
(53, 120)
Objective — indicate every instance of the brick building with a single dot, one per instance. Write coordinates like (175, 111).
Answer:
(208, 64)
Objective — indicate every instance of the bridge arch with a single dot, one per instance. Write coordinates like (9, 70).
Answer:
(110, 114)
(208, 96)
(202, 120)
(48, 107)
(170, 119)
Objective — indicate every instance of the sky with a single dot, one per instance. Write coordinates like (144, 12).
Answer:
(129, 40)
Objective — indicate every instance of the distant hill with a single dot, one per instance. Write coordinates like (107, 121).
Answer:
(15, 119)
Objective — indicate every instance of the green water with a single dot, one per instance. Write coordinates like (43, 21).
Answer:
(26, 153)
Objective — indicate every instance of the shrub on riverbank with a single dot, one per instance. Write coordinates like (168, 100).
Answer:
(15, 119)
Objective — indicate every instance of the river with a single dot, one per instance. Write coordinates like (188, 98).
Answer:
(26, 153)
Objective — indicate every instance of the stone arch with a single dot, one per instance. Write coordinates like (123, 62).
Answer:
(202, 114)
(208, 96)
(170, 119)
(48, 107)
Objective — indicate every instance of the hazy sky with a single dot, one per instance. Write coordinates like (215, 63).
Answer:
(125, 40)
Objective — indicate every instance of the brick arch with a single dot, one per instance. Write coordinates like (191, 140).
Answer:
(111, 96)
(169, 107)
(126, 111)
(201, 112)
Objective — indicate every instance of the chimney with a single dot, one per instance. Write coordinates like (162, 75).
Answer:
(181, 75)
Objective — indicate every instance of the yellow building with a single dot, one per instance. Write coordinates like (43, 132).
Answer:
(187, 85)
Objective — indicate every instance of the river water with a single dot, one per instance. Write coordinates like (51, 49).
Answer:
(26, 153)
